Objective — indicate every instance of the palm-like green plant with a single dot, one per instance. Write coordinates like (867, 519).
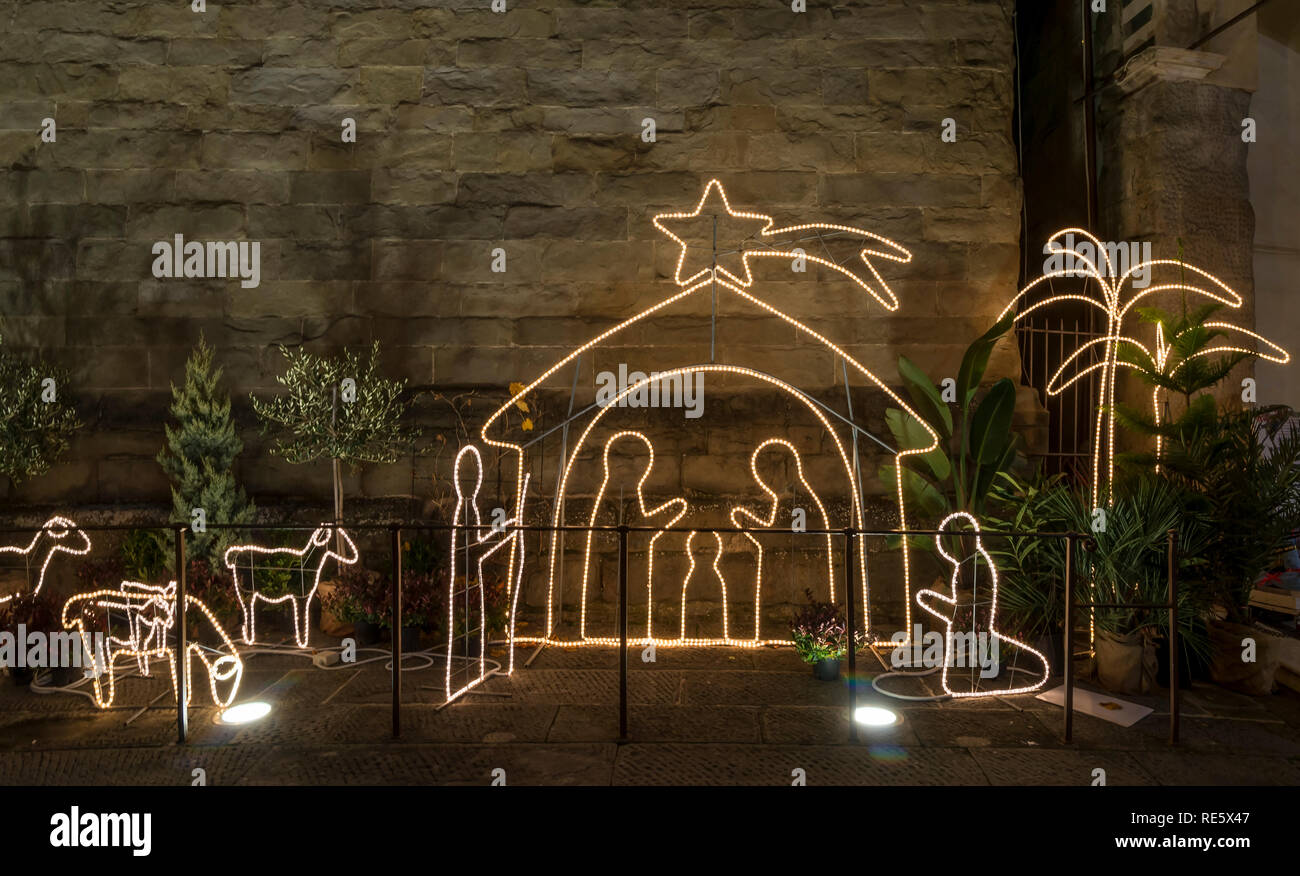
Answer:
(976, 443)
(1192, 355)
(1242, 468)
(1127, 560)
(1031, 580)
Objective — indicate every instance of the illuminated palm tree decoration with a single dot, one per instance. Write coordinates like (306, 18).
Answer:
(1118, 300)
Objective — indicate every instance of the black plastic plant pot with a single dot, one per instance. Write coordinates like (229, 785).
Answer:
(1052, 646)
(410, 640)
(827, 670)
(365, 632)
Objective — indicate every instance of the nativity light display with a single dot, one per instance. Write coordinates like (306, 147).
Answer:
(150, 613)
(1117, 301)
(944, 606)
(243, 563)
(57, 535)
(736, 281)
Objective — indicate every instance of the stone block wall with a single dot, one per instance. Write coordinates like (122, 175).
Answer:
(474, 131)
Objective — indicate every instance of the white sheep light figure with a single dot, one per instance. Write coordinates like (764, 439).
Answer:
(241, 560)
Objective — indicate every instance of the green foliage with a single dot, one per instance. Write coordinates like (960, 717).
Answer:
(1128, 561)
(319, 422)
(1031, 580)
(974, 446)
(321, 425)
(198, 458)
(34, 432)
(143, 556)
(1242, 469)
(1186, 368)
(819, 631)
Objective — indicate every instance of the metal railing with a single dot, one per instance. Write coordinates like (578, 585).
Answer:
(849, 534)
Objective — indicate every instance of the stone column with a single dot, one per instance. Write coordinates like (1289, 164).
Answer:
(1172, 156)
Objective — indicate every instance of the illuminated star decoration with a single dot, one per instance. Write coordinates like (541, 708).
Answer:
(1117, 307)
(469, 535)
(150, 612)
(883, 248)
(943, 606)
(242, 558)
(64, 537)
(730, 281)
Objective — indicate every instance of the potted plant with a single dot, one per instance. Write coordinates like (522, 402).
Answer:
(22, 614)
(340, 409)
(359, 598)
(820, 637)
(1242, 466)
(1031, 580)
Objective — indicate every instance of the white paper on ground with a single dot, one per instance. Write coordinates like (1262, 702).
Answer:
(1099, 705)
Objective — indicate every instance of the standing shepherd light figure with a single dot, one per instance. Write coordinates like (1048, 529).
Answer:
(698, 270)
(473, 543)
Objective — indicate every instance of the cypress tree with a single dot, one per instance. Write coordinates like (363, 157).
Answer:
(198, 457)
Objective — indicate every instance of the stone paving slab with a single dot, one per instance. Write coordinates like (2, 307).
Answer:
(164, 765)
(1186, 768)
(971, 728)
(1059, 767)
(659, 723)
(465, 721)
(362, 765)
(878, 764)
(697, 716)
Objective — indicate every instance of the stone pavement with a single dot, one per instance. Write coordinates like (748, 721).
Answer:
(697, 717)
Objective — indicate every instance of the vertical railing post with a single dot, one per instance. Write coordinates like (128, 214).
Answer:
(851, 624)
(1067, 665)
(1174, 656)
(182, 643)
(622, 632)
(397, 631)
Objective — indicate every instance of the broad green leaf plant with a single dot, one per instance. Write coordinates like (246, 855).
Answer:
(976, 440)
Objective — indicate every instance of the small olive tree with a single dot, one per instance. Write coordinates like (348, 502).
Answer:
(340, 409)
(36, 420)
